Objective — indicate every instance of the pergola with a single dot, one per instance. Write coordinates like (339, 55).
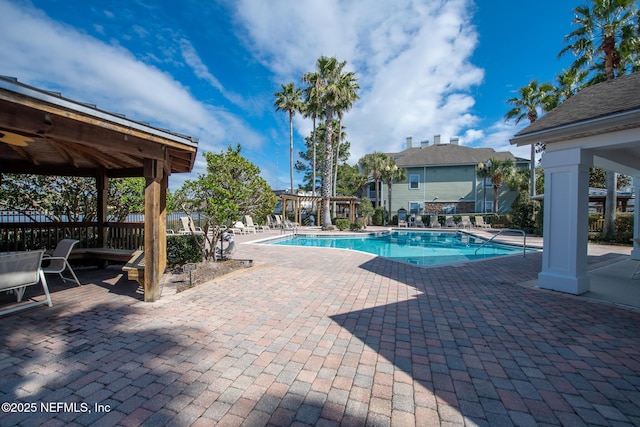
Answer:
(43, 133)
(347, 201)
(599, 126)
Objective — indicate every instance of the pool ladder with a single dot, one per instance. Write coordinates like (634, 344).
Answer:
(524, 237)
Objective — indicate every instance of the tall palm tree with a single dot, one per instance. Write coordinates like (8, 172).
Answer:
(569, 82)
(349, 95)
(313, 109)
(329, 94)
(531, 97)
(289, 99)
(373, 165)
(501, 171)
(605, 44)
(391, 173)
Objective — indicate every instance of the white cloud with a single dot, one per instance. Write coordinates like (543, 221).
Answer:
(411, 59)
(83, 68)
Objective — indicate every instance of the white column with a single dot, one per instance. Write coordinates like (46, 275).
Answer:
(566, 215)
(635, 253)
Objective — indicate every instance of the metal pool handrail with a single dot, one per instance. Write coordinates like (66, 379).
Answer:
(524, 243)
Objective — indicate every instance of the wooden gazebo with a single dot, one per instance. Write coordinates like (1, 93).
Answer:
(43, 133)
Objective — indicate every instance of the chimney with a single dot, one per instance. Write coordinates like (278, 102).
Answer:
(454, 140)
(436, 139)
(424, 143)
(409, 142)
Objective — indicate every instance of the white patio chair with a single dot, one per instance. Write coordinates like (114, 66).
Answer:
(19, 270)
(465, 222)
(433, 222)
(248, 224)
(189, 227)
(480, 222)
(248, 219)
(59, 260)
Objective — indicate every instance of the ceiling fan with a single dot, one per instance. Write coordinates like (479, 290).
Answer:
(14, 139)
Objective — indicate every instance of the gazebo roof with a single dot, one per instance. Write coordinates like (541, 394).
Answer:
(603, 118)
(42, 132)
(605, 107)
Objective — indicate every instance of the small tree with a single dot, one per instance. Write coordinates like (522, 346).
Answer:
(231, 187)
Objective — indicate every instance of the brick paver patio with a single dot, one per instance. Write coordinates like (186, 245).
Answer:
(323, 337)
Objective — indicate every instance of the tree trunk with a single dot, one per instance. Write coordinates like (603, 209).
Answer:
(326, 174)
(291, 150)
(313, 185)
(609, 228)
(337, 156)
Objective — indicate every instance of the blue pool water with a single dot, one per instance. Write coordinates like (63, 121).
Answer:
(426, 248)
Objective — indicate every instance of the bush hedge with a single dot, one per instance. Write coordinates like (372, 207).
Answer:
(342, 224)
(184, 248)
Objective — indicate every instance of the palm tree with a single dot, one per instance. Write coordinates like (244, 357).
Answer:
(329, 71)
(569, 83)
(349, 95)
(313, 109)
(500, 171)
(391, 173)
(605, 44)
(373, 165)
(532, 97)
(289, 99)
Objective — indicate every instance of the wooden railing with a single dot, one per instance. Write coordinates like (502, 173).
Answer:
(20, 236)
(596, 225)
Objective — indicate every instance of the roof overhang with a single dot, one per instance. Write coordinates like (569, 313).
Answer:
(597, 126)
(42, 132)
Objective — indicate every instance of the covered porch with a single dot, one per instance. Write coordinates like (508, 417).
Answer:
(44, 133)
(599, 126)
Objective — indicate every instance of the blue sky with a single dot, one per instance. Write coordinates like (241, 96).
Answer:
(209, 69)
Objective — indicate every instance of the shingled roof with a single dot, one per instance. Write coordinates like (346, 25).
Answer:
(448, 155)
(617, 99)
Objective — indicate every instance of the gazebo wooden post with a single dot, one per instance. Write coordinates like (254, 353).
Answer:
(102, 185)
(352, 211)
(155, 254)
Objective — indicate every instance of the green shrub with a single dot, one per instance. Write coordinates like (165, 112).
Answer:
(184, 248)
(378, 216)
(624, 228)
(342, 223)
(523, 213)
(355, 226)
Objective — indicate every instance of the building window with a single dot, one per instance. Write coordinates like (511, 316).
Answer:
(488, 204)
(414, 182)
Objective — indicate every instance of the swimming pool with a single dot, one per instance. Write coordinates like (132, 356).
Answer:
(425, 248)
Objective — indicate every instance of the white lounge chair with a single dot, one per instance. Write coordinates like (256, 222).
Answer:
(433, 222)
(480, 222)
(239, 228)
(449, 221)
(248, 224)
(465, 222)
(249, 221)
(59, 260)
(188, 227)
(19, 270)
